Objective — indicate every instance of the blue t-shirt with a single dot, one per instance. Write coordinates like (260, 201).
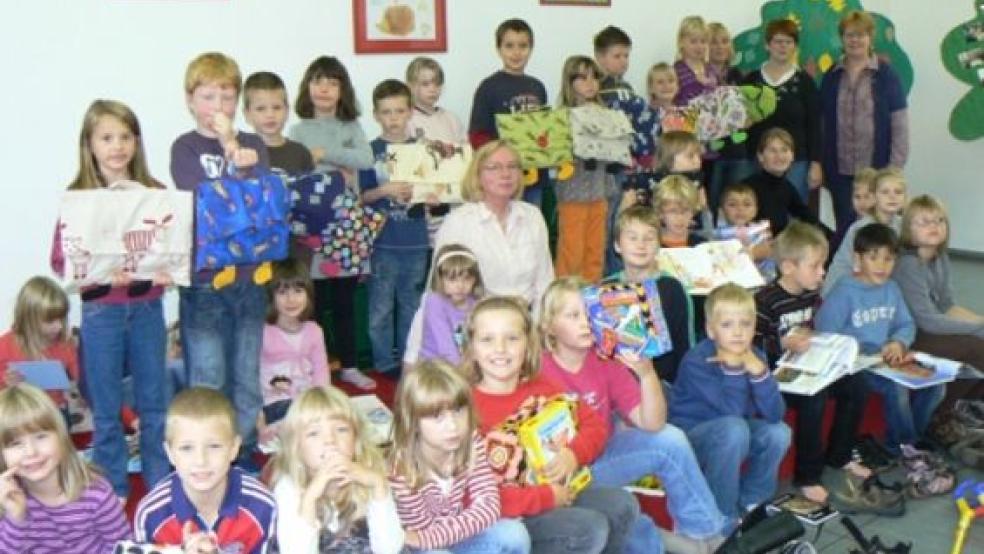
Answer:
(406, 226)
(872, 314)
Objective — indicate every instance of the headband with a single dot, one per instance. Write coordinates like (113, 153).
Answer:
(447, 255)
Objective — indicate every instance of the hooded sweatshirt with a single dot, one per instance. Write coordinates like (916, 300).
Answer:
(872, 314)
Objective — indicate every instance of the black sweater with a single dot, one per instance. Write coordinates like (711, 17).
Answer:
(777, 200)
(797, 111)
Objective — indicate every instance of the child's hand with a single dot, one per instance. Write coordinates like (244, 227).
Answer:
(432, 200)
(640, 365)
(163, 279)
(797, 340)
(245, 158)
(318, 154)
(411, 538)
(399, 191)
(222, 126)
(120, 279)
(12, 498)
(701, 198)
(561, 467)
(12, 377)
(814, 177)
(629, 199)
(198, 543)
(893, 353)
(754, 366)
(563, 496)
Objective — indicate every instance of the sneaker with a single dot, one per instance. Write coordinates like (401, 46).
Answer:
(854, 495)
(357, 379)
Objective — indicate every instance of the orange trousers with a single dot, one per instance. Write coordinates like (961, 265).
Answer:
(581, 239)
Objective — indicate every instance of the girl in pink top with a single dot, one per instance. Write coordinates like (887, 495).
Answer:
(293, 358)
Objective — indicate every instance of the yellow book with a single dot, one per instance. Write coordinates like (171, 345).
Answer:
(544, 434)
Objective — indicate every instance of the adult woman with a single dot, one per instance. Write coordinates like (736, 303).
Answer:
(865, 120)
(507, 235)
(797, 108)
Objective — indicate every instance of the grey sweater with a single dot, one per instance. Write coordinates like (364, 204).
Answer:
(928, 293)
(344, 142)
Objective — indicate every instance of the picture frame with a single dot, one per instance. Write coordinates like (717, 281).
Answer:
(400, 26)
(594, 3)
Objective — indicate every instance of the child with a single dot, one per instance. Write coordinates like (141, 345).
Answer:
(122, 325)
(265, 107)
(863, 192)
(582, 204)
(205, 505)
(612, 47)
(777, 199)
(922, 272)
(429, 121)
(456, 284)
(399, 257)
(727, 401)
(503, 362)
(39, 332)
(221, 313)
(680, 154)
(869, 306)
(293, 358)
(738, 208)
(509, 90)
(693, 72)
(637, 241)
(627, 389)
(676, 201)
(330, 129)
(889, 200)
(445, 492)
(50, 499)
(661, 87)
(785, 310)
(329, 482)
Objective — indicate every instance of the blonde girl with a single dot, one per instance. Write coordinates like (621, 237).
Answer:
(628, 389)
(890, 194)
(122, 324)
(922, 271)
(46, 489)
(694, 73)
(502, 362)
(293, 356)
(582, 205)
(863, 193)
(39, 332)
(439, 467)
(661, 86)
(329, 481)
(455, 286)
(676, 201)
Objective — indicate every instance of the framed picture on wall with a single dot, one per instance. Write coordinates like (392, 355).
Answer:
(385, 26)
(575, 2)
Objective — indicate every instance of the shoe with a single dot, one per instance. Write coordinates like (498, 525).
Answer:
(357, 379)
(970, 451)
(854, 495)
(927, 474)
(873, 455)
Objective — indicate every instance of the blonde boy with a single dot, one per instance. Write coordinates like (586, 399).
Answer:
(676, 201)
(727, 401)
(204, 504)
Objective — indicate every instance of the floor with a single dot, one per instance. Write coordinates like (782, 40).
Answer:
(928, 524)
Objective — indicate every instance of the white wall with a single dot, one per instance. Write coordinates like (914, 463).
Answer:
(59, 55)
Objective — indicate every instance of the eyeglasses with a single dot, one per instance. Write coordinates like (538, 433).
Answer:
(929, 221)
(854, 35)
(496, 168)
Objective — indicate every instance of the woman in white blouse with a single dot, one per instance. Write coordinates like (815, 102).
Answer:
(507, 235)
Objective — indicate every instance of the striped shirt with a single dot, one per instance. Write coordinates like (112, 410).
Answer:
(92, 524)
(446, 517)
(245, 523)
(779, 312)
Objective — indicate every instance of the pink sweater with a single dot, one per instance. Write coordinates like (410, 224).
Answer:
(300, 357)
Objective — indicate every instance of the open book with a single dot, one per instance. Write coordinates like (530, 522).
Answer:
(433, 168)
(829, 357)
(921, 372)
(706, 266)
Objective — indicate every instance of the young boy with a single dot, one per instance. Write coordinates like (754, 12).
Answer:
(612, 47)
(509, 90)
(738, 208)
(785, 311)
(777, 198)
(429, 121)
(222, 313)
(399, 257)
(728, 403)
(265, 107)
(676, 201)
(869, 306)
(204, 506)
(636, 239)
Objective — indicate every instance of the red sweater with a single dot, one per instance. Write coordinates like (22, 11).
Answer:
(64, 352)
(518, 497)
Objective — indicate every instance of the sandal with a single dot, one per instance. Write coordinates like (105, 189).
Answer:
(933, 482)
(854, 495)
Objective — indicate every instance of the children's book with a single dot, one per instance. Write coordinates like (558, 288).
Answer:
(829, 357)
(919, 371)
(627, 318)
(706, 266)
(379, 417)
(44, 374)
(806, 510)
(544, 433)
(753, 234)
(433, 168)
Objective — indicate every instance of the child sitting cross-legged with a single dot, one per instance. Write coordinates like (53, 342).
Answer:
(727, 401)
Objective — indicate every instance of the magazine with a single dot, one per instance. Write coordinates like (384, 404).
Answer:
(711, 264)
(829, 357)
(544, 433)
(921, 371)
(806, 510)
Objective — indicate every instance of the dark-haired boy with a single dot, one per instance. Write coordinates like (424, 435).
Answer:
(265, 107)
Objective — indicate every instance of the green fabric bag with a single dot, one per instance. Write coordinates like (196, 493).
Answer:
(542, 137)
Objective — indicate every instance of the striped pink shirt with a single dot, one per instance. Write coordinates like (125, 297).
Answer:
(444, 519)
(92, 524)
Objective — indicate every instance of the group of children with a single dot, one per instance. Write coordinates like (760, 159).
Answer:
(706, 417)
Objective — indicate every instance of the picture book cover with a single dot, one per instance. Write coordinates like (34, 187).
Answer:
(627, 318)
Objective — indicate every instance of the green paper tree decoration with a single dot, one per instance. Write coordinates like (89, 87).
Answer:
(963, 56)
(819, 41)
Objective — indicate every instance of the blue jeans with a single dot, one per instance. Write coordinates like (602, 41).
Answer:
(131, 336)
(221, 335)
(631, 454)
(841, 189)
(724, 443)
(397, 279)
(506, 536)
(599, 521)
(798, 175)
(907, 412)
(724, 173)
